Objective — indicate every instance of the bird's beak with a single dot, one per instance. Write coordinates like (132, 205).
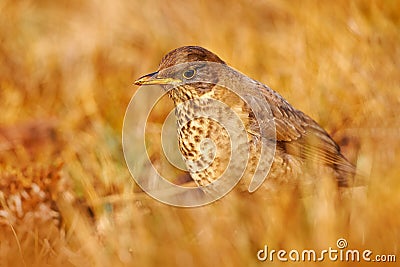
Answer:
(152, 78)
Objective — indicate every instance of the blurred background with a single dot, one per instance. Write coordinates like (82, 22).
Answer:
(66, 78)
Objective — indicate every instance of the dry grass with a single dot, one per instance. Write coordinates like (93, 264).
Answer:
(69, 66)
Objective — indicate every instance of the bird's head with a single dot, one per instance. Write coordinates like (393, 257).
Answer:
(185, 73)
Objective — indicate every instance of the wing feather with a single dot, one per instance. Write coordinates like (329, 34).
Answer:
(302, 137)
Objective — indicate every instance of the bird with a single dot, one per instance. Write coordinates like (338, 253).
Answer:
(218, 126)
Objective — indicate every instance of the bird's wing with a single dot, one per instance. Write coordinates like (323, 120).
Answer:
(300, 135)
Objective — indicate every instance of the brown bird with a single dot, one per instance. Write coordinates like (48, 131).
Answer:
(226, 121)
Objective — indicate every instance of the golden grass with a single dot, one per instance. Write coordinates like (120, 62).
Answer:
(71, 65)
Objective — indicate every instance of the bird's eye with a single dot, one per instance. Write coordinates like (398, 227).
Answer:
(188, 74)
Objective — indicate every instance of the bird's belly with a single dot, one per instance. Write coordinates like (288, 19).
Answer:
(209, 152)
